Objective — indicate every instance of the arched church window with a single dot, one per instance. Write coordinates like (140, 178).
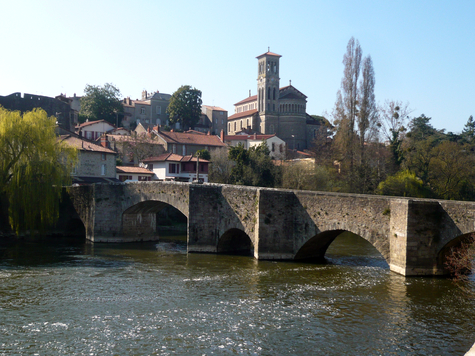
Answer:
(273, 96)
(268, 93)
(275, 67)
(268, 67)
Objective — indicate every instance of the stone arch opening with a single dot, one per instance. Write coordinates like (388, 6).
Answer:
(346, 243)
(235, 242)
(149, 220)
(459, 243)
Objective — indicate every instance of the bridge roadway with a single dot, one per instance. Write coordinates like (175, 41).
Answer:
(413, 235)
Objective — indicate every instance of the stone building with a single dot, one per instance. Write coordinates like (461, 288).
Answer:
(274, 110)
(96, 163)
(150, 111)
(65, 115)
(213, 119)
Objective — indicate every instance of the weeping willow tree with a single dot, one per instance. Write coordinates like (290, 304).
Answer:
(34, 166)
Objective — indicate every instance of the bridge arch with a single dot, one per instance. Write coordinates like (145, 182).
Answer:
(316, 246)
(139, 221)
(236, 242)
(460, 242)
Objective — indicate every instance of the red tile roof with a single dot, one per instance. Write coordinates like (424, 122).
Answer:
(269, 54)
(83, 145)
(250, 98)
(242, 114)
(247, 137)
(173, 157)
(191, 139)
(93, 122)
(130, 169)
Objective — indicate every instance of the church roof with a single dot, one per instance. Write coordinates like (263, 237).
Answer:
(292, 88)
(268, 53)
(248, 99)
(242, 114)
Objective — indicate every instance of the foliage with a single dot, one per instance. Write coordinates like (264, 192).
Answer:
(185, 107)
(221, 167)
(136, 147)
(102, 103)
(460, 262)
(403, 184)
(394, 115)
(253, 166)
(204, 154)
(34, 166)
(355, 114)
(307, 176)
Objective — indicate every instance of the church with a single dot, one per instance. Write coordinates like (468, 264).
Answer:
(274, 110)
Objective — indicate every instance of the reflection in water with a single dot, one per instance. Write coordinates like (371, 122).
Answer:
(71, 297)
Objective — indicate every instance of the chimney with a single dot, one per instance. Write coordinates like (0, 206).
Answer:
(172, 130)
(209, 133)
(255, 136)
(158, 128)
(249, 92)
(104, 141)
(222, 136)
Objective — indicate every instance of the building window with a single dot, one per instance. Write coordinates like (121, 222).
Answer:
(150, 166)
(159, 110)
(142, 111)
(103, 156)
(281, 148)
(273, 96)
(172, 168)
(273, 147)
(103, 170)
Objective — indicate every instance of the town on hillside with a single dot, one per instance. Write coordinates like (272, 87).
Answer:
(140, 142)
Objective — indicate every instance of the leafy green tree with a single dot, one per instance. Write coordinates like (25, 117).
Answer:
(404, 184)
(102, 103)
(204, 154)
(34, 166)
(185, 107)
(468, 132)
(253, 166)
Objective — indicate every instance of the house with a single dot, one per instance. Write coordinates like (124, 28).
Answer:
(133, 174)
(187, 143)
(274, 110)
(96, 163)
(171, 166)
(213, 119)
(92, 130)
(277, 146)
(150, 111)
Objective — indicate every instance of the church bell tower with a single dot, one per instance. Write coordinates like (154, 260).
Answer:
(268, 91)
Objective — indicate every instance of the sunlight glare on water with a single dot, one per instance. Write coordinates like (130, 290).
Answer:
(69, 297)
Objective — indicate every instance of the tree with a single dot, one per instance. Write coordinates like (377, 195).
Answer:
(136, 147)
(394, 115)
(345, 111)
(221, 166)
(185, 107)
(468, 132)
(34, 166)
(253, 166)
(403, 184)
(204, 154)
(102, 103)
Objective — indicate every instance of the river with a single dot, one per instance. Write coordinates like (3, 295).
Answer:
(69, 297)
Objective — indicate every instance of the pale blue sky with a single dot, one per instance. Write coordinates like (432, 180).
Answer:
(423, 51)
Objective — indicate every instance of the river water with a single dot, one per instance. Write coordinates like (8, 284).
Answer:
(68, 297)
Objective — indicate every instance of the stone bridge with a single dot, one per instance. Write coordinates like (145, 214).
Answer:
(413, 235)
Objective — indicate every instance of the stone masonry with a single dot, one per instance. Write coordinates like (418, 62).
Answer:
(413, 235)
